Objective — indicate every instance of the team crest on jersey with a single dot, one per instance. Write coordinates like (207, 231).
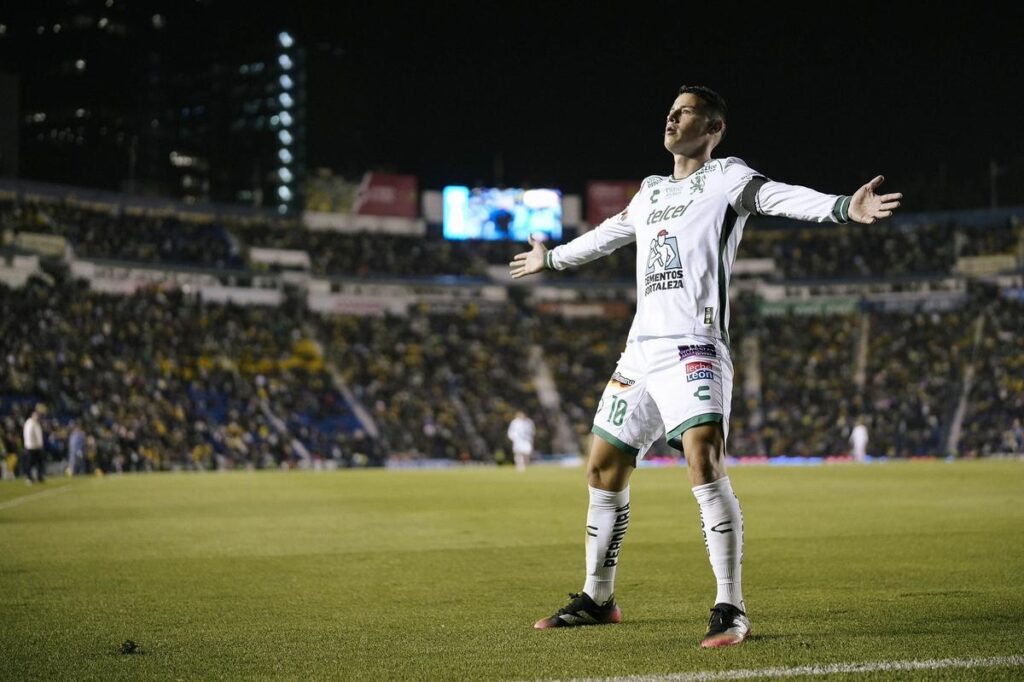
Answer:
(697, 183)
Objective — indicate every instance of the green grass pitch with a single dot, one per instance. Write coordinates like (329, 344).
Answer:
(381, 575)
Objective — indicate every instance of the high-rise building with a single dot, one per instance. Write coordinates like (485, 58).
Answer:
(241, 126)
(158, 101)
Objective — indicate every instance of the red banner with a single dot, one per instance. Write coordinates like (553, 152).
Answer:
(386, 194)
(605, 198)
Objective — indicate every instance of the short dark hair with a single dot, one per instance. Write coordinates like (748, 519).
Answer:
(715, 102)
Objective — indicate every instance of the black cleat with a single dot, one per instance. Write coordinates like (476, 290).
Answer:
(582, 610)
(727, 626)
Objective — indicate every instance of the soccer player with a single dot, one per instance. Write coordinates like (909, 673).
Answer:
(520, 432)
(859, 441)
(675, 375)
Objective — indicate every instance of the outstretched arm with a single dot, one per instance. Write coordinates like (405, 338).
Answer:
(602, 240)
(867, 207)
(765, 197)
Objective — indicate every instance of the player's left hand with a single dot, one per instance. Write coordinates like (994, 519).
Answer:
(867, 207)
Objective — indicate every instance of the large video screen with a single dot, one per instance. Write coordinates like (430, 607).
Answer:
(498, 214)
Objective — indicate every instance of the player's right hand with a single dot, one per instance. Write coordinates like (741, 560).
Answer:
(530, 262)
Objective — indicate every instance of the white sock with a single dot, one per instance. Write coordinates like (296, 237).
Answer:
(722, 523)
(607, 521)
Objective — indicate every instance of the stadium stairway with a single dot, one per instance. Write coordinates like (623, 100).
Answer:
(359, 410)
(957, 425)
(281, 427)
(564, 440)
(861, 372)
(752, 379)
(478, 446)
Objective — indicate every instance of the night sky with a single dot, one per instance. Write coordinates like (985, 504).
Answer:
(826, 98)
(556, 93)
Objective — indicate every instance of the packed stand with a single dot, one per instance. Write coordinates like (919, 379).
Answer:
(442, 384)
(914, 379)
(161, 380)
(878, 250)
(996, 406)
(809, 396)
(382, 255)
(129, 235)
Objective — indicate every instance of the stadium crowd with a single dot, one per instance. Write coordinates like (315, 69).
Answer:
(799, 252)
(161, 379)
(95, 232)
(916, 364)
(808, 391)
(442, 384)
(878, 250)
(996, 407)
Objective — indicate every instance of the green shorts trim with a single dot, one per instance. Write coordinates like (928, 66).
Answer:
(675, 436)
(626, 448)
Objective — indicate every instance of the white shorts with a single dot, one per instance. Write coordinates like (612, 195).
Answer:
(664, 386)
(520, 447)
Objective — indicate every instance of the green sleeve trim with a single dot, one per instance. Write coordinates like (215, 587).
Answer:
(709, 418)
(841, 209)
(548, 261)
(624, 447)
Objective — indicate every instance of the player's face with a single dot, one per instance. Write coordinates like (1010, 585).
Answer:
(688, 127)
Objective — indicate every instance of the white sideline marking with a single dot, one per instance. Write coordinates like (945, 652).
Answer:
(830, 669)
(33, 496)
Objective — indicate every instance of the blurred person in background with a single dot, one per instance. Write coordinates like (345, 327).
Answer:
(6, 466)
(859, 441)
(520, 432)
(35, 466)
(76, 449)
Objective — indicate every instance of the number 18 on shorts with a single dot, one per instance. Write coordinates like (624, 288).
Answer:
(664, 387)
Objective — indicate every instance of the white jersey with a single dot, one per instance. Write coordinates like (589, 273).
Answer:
(859, 436)
(521, 431)
(687, 233)
(33, 434)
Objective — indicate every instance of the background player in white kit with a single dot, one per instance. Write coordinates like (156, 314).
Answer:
(859, 441)
(520, 432)
(675, 376)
